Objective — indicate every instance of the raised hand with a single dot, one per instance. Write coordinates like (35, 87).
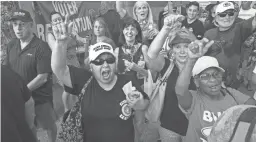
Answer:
(198, 48)
(173, 21)
(63, 30)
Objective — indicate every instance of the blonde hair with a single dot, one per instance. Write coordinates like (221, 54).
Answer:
(150, 15)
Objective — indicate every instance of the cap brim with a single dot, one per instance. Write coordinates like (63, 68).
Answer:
(21, 19)
(208, 68)
(179, 40)
(101, 54)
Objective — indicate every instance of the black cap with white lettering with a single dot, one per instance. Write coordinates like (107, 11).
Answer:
(22, 15)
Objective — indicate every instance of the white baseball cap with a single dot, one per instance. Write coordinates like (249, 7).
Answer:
(99, 48)
(224, 6)
(204, 63)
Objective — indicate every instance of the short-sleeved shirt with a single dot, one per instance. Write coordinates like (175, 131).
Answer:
(172, 117)
(246, 14)
(14, 94)
(106, 115)
(196, 27)
(227, 46)
(34, 59)
(204, 113)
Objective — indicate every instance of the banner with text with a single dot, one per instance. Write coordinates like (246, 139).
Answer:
(81, 13)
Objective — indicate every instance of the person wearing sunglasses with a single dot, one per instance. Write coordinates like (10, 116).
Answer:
(203, 106)
(107, 107)
(228, 39)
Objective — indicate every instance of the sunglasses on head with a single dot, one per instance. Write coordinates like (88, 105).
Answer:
(224, 14)
(99, 62)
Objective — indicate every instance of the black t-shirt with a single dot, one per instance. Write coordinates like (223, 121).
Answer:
(196, 27)
(172, 117)
(14, 94)
(34, 59)
(106, 116)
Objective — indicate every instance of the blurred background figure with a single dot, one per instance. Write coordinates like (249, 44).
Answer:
(246, 10)
(14, 98)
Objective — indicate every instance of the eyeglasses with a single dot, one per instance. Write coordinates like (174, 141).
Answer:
(57, 20)
(226, 13)
(207, 76)
(101, 61)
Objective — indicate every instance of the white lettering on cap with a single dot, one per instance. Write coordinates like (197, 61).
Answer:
(97, 48)
(19, 14)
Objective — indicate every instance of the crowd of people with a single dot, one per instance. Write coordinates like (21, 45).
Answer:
(141, 81)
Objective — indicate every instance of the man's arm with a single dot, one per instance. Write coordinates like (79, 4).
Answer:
(38, 81)
(119, 8)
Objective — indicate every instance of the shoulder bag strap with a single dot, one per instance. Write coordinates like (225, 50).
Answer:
(163, 79)
(226, 91)
(81, 95)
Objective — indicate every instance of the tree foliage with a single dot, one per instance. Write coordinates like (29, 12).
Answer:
(6, 31)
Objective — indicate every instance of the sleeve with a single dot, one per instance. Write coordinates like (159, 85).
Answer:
(43, 59)
(195, 101)
(245, 28)
(254, 70)
(78, 78)
(240, 97)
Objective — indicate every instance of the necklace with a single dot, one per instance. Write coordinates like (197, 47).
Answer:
(130, 50)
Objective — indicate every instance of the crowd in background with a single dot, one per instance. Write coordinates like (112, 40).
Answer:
(141, 80)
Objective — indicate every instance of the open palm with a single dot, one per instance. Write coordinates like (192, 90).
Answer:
(63, 30)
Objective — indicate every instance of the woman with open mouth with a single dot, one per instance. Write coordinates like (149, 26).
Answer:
(203, 106)
(108, 106)
(133, 51)
(143, 14)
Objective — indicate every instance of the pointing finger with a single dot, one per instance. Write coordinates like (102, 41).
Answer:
(207, 46)
(66, 18)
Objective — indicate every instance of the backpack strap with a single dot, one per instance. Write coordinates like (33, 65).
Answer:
(224, 90)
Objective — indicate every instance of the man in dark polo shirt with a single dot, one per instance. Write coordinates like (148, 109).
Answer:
(30, 57)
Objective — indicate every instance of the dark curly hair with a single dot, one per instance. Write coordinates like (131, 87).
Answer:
(127, 23)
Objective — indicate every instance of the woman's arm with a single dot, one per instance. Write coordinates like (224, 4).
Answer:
(50, 40)
(119, 8)
(59, 52)
(184, 96)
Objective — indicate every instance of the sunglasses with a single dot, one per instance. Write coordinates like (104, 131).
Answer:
(99, 62)
(207, 76)
(224, 14)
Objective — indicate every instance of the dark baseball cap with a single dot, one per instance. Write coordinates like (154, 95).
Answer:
(22, 15)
